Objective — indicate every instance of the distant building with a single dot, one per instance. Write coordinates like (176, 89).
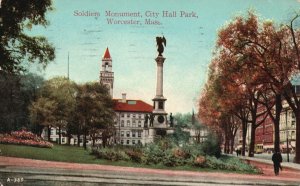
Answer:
(287, 129)
(264, 134)
(130, 121)
(54, 135)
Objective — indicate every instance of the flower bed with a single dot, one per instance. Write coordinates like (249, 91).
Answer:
(24, 138)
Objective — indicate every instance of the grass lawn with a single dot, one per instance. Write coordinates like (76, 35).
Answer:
(76, 154)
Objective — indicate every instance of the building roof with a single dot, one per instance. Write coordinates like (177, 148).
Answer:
(106, 54)
(132, 106)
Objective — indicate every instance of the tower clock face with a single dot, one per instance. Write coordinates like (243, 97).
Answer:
(160, 119)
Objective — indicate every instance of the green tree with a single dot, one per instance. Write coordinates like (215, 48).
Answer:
(10, 102)
(16, 94)
(15, 45)
(30, 85)
(183, 122)
(94, 111)
(63, 91)
(41, 114)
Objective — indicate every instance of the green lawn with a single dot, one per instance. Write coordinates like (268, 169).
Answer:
(62, 153)
(76, 154)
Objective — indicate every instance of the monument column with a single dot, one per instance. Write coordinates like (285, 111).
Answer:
(159, 83)
(158, 126)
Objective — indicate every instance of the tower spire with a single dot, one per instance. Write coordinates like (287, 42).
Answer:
(106, 54)
(106, 74)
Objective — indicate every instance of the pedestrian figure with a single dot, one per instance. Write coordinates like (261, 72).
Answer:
(277, 159)
(151, 120)
(237, 152)
(171, 120)
(146, 121)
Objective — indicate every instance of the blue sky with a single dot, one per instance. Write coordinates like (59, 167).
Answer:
(190, 42)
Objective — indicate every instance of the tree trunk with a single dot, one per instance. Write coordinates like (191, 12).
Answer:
(252, 139)
(68, 139)
(69, 136)
(78, 139)
(104, 141)
(277, 122)
(94, 140)
(232, 145)
(59, 135)
(84, 140)
(244, 134)
(227, 141)
(49, 133)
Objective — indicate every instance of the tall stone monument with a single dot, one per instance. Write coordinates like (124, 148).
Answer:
(159, 124)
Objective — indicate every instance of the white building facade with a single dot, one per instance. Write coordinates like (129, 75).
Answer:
(131, 126)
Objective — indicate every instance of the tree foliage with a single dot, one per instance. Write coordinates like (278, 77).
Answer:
(16, 94)
(94, 111)
(252, 65)
(16, 46)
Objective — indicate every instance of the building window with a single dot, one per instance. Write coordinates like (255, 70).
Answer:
(139, 134)
(52, 131)
(133, 115)
(122, 115)
(140, 116)
(127, 142)
(293, 135)
(122, 133)
(122, 142)
(293, 123)
(139, 141)
(133, 142)
(128, 123)
(122, 123)
(62, 140)
(128, 134)
(133, 123)
(133, 134)
(139, 123)
(128, 115)
(57, 131)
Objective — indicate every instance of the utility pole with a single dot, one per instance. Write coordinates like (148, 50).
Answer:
(68, 66)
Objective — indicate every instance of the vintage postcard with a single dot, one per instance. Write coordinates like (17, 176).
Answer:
(133, 92)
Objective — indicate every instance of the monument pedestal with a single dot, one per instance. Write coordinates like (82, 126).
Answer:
(160, 121)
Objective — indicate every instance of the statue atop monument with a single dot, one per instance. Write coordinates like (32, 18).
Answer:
(160, 41)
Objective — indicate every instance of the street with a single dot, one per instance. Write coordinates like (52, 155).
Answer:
(19, 171)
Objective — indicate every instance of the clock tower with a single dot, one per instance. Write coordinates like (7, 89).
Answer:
(106, 74)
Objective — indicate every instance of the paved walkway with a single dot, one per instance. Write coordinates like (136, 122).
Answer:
(34, 171)
(284, 164)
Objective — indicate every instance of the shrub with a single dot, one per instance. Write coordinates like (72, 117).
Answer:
(171, 160)
(110, 154)
(229, 163)
(180, 153)
(211, 146)
(153, 154)
(200, 161)
(134, 155)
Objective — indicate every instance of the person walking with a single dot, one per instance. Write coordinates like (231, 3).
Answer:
(277, 159)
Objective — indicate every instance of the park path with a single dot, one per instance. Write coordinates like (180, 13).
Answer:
(288, 175)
